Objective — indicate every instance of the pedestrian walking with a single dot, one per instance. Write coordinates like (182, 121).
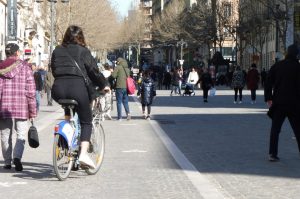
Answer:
(49, 80)
(263, 76)
(147, 91)
(106, 96)
(206, 83)
(175, 82)
(18, 104)
(238, 83)
(180, 74)
(252, 82)
(69, 63)
(193, 78)
(160, 78)
(120, 74)
(167, 80)
(176, 78)
(38, 85)
(282, 94)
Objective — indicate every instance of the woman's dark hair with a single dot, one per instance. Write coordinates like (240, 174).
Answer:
(74, 35)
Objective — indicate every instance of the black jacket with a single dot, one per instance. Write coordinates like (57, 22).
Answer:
(38, 81)
(283, 83)
(147, 91)
(206, 81)
(62, 65)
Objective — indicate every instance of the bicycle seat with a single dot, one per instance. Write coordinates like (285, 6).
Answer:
(67, 102)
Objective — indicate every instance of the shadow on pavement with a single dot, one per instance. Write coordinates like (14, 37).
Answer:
(231, 143)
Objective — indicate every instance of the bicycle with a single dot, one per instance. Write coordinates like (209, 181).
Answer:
(102, 104)
(66, 146)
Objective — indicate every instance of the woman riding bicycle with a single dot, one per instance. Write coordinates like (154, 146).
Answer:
(69, 82)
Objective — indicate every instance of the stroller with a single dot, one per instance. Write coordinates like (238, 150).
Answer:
(188, 90)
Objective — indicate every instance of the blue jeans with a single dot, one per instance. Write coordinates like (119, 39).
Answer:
(38, 100)
(122, 98)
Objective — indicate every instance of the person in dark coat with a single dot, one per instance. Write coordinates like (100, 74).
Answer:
(69, 82)
(167, 80)
(252, 82)
(238, 83)
(282, 94)
(263, 76)
(147, 92)
(206, 83)
(38, 85)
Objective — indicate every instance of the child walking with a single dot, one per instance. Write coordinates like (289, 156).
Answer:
(147, 92)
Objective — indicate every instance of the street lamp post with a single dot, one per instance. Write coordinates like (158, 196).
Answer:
(182, 44)
(52, 18)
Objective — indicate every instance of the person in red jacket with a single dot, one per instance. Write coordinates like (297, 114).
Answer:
(252, 82)
(17, 104)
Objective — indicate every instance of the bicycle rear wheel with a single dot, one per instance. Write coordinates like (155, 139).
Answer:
(62, 161)
(97, 146)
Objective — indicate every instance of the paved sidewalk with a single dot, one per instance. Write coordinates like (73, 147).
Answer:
(189, 149)
(228, 144)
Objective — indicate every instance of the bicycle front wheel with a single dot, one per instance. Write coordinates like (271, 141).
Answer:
(62, 162)
(97, 146)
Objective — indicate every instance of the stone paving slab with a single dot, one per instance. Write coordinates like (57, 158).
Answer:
(228, 143)
(136, 165)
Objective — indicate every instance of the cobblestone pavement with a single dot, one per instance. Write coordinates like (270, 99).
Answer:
(189, 149)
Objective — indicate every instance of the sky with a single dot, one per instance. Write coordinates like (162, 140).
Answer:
(122, 6)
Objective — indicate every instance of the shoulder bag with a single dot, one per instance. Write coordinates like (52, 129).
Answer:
(129, 83)
(89, 85)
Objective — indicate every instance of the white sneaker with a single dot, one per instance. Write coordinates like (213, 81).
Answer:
(240, 102)
(85, 160)
(234, 102)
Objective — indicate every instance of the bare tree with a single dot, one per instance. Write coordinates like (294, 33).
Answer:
(167, 26)
(96, 17)
(279, 11)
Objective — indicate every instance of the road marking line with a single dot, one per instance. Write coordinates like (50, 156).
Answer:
(204, 186)
(10, 184)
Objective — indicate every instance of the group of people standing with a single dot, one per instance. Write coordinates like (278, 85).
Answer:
(203, 78)
(240, 79)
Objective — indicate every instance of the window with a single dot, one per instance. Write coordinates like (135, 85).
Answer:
(227, 10)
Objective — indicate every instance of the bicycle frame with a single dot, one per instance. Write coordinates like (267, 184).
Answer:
(70, 131)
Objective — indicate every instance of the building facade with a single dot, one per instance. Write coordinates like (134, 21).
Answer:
(26, 28)
(3, 4)
(268, 31)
